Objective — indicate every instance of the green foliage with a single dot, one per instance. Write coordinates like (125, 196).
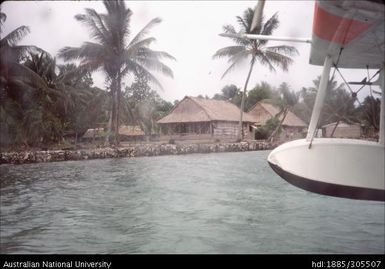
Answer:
(256, 51)
(234, 95)
(260, 92)
(230, 93)
(117, 53)
(339, 104)
(266, 130)
(143, 106)
(369, 113)
(40, 108)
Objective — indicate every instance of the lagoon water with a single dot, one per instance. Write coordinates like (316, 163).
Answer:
(199, 203)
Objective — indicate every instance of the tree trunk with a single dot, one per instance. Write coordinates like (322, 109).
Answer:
(113, 111)
(271, 137)
(334, 129)
(240, 131)
(109, 128)
(118, 100)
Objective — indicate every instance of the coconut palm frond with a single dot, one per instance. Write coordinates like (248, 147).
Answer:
(235, 60)
(287, 50)
(154, 54)
(229, 29)
(142, 33)
(239, 57)
(243, 23)
(87, 50)
(95, 24)
(156, 65)
(229, 51)
(270, 25)
(69, 53)
(28, 75)
(134, 48)
(247, 19)
(15, 36)
(3, 17)
(117, 21)
(265, 60)
(135, 67)
(229, 69)
(278, 59)
(93, 64)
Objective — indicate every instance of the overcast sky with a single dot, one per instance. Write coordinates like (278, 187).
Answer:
(189, 31)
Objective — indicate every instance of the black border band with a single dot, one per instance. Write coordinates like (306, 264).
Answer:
(329, 188)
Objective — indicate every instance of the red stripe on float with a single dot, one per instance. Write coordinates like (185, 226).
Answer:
(326, 26)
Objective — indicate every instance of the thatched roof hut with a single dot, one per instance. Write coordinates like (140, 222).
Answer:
(193, 109)
(197, 118)
(264, 110)
(342, 130)
(94, 133)
(130, 130)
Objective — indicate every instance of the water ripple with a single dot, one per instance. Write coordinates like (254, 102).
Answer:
(200, 203)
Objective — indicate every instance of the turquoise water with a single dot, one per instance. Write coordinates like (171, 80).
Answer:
(199, 203)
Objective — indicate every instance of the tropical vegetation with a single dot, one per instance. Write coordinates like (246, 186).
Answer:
(340, 105)
(45, 104)
(256, 51)
(116, 53)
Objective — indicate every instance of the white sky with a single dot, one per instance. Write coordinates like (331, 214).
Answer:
(189, 31)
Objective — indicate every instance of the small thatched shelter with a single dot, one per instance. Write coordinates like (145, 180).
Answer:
(203, 119)
(293, 127)
(131, 133)
(342, 130)
(94, 134)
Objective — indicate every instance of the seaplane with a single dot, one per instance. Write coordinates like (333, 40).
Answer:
(346, 34)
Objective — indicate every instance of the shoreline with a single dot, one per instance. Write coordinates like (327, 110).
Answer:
(140, 150)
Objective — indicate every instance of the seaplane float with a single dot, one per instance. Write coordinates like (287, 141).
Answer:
(346, 34)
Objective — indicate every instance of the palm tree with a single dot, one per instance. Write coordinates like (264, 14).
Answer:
(254, 50)
(11, 53)
(114, 54)
(286, 102)
(13, 78)
(338, 106)
(51, 109)
(370, 114)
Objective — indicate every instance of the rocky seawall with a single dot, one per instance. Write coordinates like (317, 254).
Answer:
(130, 151)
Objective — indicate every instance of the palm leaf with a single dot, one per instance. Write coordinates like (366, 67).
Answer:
(229, 29)
(27, 75)
(288, 50)
(263, 59)
(3, 18)
(142, 33)
(228, 51)
(270, 25)
(137, 68)
(133, 48)
(87, 50)
(156, 65)
(93, 21)
(278, 59)
(235, 60)
(16, 35)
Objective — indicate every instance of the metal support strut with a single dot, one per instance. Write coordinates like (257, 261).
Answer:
(319, 101)
(381, 139)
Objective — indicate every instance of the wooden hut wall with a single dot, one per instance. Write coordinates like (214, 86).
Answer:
(290, 133)
(186, 128)
(351, 131)
(225, 129)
